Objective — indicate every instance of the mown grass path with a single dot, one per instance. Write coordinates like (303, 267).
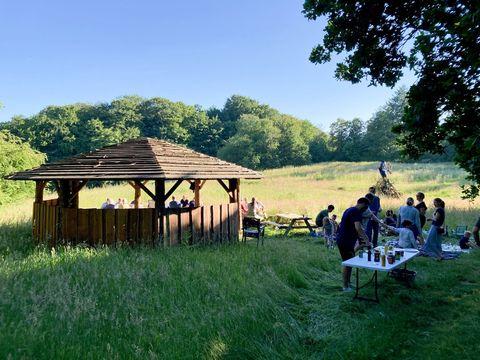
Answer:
(282, 300)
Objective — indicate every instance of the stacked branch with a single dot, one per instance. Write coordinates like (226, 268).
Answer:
(386, 188)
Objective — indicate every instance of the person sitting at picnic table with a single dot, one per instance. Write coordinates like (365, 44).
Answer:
(406, 239)
(349, 231)
(409, 212)
(422, 209)
(121, 203)
(433, 245)
(108, 204)
(323, 214)
(244, 207)
(256, 209)
(174, 204)
(184, 201)
(464, 242)
(191, 204)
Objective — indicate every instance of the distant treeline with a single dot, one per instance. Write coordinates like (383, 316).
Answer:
(243, 131)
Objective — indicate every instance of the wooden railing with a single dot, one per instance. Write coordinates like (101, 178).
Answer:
(54, 225)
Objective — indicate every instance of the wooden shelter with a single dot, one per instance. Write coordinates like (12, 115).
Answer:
(61, 221)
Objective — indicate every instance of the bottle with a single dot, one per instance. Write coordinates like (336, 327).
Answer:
(383, 259)
(369, 253)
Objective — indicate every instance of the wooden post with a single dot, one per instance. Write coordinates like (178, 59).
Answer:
(197, 192)
(39, 187)
(138, 193)
(160, 206)
(234, 186)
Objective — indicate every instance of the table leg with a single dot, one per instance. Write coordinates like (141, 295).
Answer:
(289, 227)
(374, 279)
(309, 226)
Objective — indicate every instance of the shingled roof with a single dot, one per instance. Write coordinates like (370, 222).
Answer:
(143, 158)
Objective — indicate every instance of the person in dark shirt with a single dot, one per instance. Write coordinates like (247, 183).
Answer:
(350, 229)
(422, 209)
(390, 218)
(184, 201)
(323, 214)
(465, 241)
(375, 208)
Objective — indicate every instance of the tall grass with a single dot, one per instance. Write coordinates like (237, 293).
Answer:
(282, 300)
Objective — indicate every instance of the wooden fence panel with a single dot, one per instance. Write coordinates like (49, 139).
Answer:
(55, 225)
(83, 226)
(121, 226)
(185, 227)
(173, 224)
(109, 226)
(197, 225)
(69, 225)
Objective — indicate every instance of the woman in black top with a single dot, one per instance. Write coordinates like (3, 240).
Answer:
(433, 245)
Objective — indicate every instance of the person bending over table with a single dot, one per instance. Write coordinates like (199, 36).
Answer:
(349, 231)
(406, 239)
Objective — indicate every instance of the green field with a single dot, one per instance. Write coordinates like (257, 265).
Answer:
(282, 300)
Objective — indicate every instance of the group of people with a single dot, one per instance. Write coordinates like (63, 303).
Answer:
(183, 203)
(253, 209)
(122, 203)
(360, 225)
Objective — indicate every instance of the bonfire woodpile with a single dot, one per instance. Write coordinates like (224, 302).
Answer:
(386, 188)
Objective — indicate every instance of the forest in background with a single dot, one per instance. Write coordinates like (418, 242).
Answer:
(243, 131)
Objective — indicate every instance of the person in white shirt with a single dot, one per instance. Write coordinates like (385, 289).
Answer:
(406, 238)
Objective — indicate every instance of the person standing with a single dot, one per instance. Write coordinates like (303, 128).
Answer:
(433, 245)
(375, 208)
(349, 231)
(422, 209)
(409, 212)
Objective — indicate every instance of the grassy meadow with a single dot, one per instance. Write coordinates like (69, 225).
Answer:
(282, 300)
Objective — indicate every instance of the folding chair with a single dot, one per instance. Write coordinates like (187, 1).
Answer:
(253, 228)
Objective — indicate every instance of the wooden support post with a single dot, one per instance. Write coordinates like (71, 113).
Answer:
(39, 187)
(160, 207)
(136, 199)
(196, 191)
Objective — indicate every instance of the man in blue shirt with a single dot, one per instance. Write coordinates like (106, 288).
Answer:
(372, 226)
(349, 231)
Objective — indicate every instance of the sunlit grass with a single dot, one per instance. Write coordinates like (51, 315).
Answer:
(282, 300)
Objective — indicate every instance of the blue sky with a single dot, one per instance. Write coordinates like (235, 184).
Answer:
(198, 52)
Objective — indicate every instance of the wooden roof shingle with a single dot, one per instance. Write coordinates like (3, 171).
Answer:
(143, 158)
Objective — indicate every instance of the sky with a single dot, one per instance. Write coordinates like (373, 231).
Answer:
(198, 52)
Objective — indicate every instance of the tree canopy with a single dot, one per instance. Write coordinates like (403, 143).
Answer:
(438, 40)
(15, 155)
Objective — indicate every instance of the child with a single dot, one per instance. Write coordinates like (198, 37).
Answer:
(465, 241)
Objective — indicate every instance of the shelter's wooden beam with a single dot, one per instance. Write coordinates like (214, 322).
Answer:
(39, 187)
(172, 189)
(226, 188)
(160, 207)
(234, 187)
(141, 185)
(196, 192)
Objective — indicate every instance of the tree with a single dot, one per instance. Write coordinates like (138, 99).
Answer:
(437, 39)
(347, 139)
(235, 107)
(380, 141)
(255, 144)
(16, 155)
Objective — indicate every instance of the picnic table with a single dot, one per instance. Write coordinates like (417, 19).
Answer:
(363, 263)
(292, 221)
